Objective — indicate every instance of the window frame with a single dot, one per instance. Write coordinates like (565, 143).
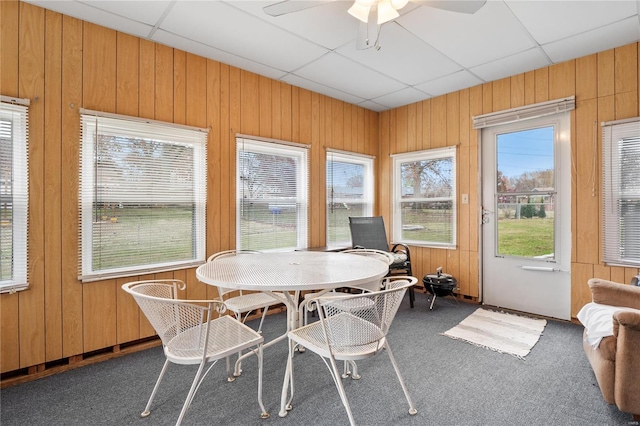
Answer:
(396, 217)
(368, 184)
(157, 131)
(300, 153)
(17, 112)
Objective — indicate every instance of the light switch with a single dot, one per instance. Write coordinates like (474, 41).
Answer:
(465, 198)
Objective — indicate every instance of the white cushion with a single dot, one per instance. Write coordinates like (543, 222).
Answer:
(598, 321)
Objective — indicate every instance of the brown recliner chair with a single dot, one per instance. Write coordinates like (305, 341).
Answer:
(616, 362)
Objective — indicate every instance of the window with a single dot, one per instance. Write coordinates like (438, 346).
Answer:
(271, 193)
(142, 196)
(424, 188)
(14, 193)
(621, 192)
(349, 193)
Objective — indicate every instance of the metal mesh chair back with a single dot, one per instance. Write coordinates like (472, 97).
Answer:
(363, 320)
(222, 291)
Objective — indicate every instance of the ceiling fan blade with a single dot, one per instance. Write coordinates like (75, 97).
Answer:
(290, 6)
(470, 6)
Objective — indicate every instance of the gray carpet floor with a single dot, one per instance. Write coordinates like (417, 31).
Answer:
(452, 383)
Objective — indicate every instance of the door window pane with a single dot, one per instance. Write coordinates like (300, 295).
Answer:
(525, 193)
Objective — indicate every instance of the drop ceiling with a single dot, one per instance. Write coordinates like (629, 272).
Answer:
(425, 52)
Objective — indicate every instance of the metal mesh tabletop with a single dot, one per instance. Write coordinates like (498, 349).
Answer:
(291, 271)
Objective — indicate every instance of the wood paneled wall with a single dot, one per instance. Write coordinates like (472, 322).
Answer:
(606, 88)
(63, 64)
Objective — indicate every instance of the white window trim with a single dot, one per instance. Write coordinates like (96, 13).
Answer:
(20, 193)
(284, 148)
(169, 131)
(396, 227)
(368, 200)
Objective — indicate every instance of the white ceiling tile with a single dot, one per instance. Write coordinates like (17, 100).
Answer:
(549, 21)
(402, 56)
(470, 40)
(334, 70)
(401, 98)
(615, 35)
(441, 86)
(520, 62)
(146, 12)
(196, 48)
(311, 24)
(319, 88)
(373, 106)
(233, 31)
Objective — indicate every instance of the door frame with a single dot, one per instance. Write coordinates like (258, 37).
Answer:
(562, 151)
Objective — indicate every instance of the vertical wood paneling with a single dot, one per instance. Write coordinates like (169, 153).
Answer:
(586, 77)
(99, 55)
(214, 181)
(517, 90)
(9, 12)
(99, 299)
(71, 102)
(63, 64)
(586, 183)
(9, 36)
(146, 95)
(127, 70)
(31, 86)
(562, 80)
(164, 90)
(626, 68)
(501, 94)
(439, 122)
(53, 186)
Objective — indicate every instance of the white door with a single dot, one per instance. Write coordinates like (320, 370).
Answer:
(526, 216)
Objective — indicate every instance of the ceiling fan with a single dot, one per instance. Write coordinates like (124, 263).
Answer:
(373, 13)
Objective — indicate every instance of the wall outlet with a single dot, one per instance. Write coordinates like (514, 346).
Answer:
(465, 198)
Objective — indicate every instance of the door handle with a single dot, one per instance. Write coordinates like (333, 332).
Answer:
(485, 215)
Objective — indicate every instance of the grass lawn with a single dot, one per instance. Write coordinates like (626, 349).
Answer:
(526, 237)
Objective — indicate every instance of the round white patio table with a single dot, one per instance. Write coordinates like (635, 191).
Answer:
(288, 273)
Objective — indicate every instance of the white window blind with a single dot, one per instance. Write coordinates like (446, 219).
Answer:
(271, 193)
(424, 191)
(142, 196)
(14, 193)
(621, 192)
(349, 193)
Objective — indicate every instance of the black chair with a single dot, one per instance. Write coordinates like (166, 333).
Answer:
(370, 233)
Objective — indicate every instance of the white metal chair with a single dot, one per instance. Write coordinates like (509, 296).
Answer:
(352, 328)
(243, 303)
(192, 334)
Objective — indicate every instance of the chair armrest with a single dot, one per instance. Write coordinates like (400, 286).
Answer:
(615, 294)
(401, 248)
(626, 326)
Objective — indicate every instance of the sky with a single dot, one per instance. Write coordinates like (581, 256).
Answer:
(525, 151)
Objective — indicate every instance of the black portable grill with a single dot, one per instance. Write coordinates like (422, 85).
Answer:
(440, 285)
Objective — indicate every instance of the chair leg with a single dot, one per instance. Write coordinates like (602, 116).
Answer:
(191, 394)
(265, 413)
(343, 394)
(147, 411)
(285, 404)
(412, 407)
